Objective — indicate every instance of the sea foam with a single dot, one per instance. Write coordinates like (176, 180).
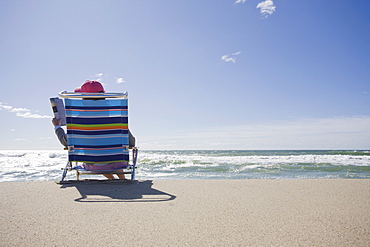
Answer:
(41, 165)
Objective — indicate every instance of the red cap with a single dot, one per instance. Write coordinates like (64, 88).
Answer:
(90, 87)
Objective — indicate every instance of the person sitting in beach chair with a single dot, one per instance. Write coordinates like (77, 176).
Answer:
(97, 133)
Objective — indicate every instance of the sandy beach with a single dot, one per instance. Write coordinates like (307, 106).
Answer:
(305, 212)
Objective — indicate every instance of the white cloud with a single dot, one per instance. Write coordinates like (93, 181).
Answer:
(226, 58)
(325, 133)
(266, 7)
(31, 115)
(120, 80)
(20, 139)
(21, 112)
(45, 138)
(5, 107)
(230, 57)
(98, 77)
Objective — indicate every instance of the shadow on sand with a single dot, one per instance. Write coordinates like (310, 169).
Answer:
(117, 191)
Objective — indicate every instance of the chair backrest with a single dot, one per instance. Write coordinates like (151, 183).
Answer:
(97, 130)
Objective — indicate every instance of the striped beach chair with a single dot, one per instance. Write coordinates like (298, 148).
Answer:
(98, 134)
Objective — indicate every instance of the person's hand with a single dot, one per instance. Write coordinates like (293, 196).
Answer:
(56, 121)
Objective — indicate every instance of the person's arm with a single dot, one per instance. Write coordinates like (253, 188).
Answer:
(59, 131)
(131, 140)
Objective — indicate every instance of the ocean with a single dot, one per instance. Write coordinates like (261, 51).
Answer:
(45, 165)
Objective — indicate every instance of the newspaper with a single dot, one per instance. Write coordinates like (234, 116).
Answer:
(58, 109)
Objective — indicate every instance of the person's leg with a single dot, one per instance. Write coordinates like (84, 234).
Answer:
(109, 176)
(121, 176)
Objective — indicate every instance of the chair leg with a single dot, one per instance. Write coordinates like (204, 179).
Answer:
(134, 159)
(65, 171)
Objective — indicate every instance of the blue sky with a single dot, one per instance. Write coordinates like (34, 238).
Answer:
(210, 74)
